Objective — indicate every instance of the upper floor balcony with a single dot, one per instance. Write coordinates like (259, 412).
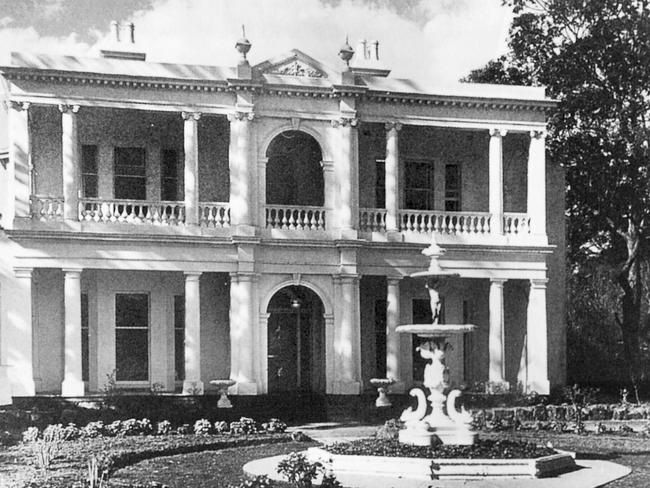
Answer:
(109, 170)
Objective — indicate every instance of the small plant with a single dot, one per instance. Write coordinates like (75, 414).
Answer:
(256, 482)
(274, 426)
(221, 427)
(579, 398)
(110, 387)
(298, 470)
(164, 427)
(184, 429)
(330, 481)
(31, 435)
(202, 427)
(46, 446)
(157, 388)
(98, 472)
(244, 426)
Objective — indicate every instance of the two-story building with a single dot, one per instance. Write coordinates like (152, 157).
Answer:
(166, 224)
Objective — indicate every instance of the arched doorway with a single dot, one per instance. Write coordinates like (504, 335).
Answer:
(294, 175)
(296, 341)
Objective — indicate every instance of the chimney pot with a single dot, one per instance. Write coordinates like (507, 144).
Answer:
(116, 30)
(375, 46)
(132, 32)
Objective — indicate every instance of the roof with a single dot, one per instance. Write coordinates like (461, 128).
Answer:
(293, 69)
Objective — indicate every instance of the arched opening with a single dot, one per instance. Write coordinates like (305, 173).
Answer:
(296, 341)
(294, 175)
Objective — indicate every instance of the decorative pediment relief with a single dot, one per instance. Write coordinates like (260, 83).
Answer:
(296, 68)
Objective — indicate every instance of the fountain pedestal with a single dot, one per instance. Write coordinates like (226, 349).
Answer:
(436, 415)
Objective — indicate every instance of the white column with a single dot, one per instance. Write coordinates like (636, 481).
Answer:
(392, 176)
(17, 338)
(537, 349)
(192, 385)
(19, 184)
(191, 168)
(243, 350)
(329, 184)
(346, 169)
(242, 173)
(73, 384)
(261, 191)
(496, 345)
(347, 338)
(537, 182)
(392, 337)
(496, 180)
(70, 159)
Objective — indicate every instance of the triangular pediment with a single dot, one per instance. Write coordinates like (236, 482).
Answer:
(295, 63)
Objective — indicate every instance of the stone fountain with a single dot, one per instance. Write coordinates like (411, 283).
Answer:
(435, 415)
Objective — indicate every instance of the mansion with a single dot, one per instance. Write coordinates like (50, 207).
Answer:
(165, 225)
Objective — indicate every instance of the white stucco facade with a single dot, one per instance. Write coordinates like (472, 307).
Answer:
(212, 263)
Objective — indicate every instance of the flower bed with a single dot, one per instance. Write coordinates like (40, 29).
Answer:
(486, 449)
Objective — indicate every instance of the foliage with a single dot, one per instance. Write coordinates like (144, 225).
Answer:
(298, 470)
(593, 57)
(164, 427)
(390, 429)
(221, 427)
(245, 425)
(483, 448)
(202, 427)
(99, 471)
(46, 445)
(256, 482)
(274, 426)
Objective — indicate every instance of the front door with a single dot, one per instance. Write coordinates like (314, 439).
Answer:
(289, 348)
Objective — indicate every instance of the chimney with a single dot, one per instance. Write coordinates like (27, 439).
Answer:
(366, 60)
(123, 45)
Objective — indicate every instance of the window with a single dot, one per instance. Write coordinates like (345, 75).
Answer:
(179, 337)
(89, 171)
(130, 178)
(380, 337)
(169, 175)
(418, 185)
(380, 183)
(85, 348)
(132, 337)
(452, 188)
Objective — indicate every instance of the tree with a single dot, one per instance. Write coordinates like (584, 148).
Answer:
(594, 58)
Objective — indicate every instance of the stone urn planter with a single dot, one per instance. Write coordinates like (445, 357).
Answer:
(222, 387)
(382, 384)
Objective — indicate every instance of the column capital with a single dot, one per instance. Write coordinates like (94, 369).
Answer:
(238, 115)
(195, 116)
(16, 105)
(72, 272)
(192, 275)
(239, 276)
(498, 132)
(352, 122)
(396, 126)
(65, 108)
(538, 134)
(23, 272)
(538, 283)
(498, 281)
(394, 280)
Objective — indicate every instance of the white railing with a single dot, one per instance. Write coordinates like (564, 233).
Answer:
(372, 219)
(44, 207)
(426, 221)
(214, 214)
(516, 223)
(131, 211)
(301, 218)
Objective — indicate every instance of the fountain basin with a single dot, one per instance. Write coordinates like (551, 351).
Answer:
(342, 465)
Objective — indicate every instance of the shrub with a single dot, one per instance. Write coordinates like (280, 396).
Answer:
(202, 427)
(164, 427)
(93, 429)
(129, 427)
(145, 427)
(298, 470)
(30, 435)
(221, 427)
(183, 429)
(113, 429)
(244, 426)
(256, 482)
(71, 432)
(274, 426)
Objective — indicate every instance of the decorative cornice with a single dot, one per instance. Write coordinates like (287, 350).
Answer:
(538, 283)
(345, 122)
(241, 116)
(65, 108)
(15, 105)
(195, 116)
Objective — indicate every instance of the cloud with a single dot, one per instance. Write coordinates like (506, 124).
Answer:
(445, 41)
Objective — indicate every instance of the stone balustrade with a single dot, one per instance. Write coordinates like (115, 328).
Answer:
(214, 214)
(44, 207)
(516, 223)
(131, 211)
(372, 219)
(430, 221)
(295, 218)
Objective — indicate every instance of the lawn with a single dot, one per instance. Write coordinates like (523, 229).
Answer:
(208, 461)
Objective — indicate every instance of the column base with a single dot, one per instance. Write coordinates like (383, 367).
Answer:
(72, 388)
(346, 388)
(345, 234)
(243, 388)
(394, 236)
(5, 386)
(193, 387)
(541, 387)
(244, 230)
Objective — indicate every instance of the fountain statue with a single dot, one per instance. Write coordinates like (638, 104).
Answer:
(438, 417)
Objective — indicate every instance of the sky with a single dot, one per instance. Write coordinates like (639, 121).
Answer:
(434, 41)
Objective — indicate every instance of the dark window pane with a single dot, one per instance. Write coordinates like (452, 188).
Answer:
(130, 181)
(90, 186)
(85, 348)
(131, 188)
(380, 184)
(418, 185)
(132, 354)
(132, 310)
(169, 168)
(452, 187)
(179, 337)
(169, 189)
(89, 159)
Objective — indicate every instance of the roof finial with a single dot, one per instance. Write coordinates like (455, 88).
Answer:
(243, 45)
(346, 52)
